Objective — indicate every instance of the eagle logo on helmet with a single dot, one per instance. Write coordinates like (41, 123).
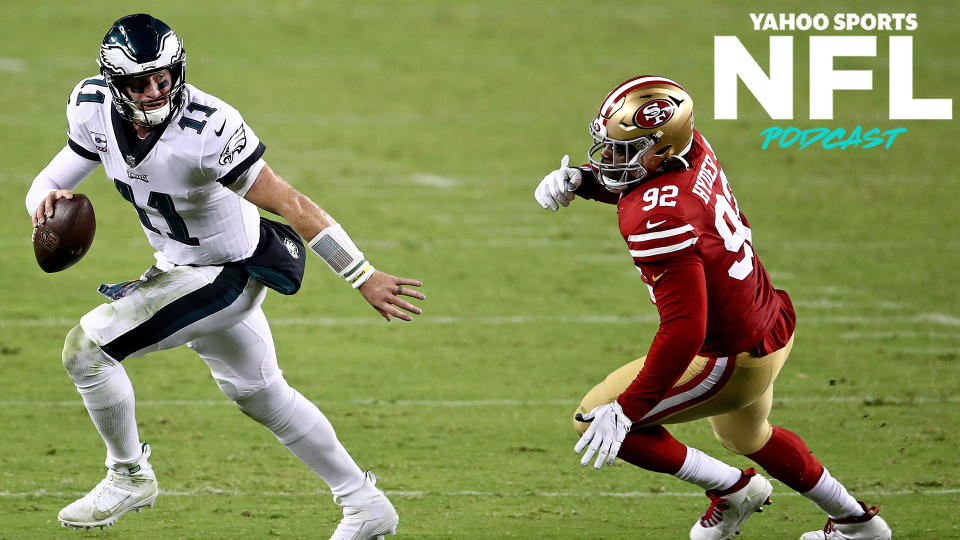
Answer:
(654, 113)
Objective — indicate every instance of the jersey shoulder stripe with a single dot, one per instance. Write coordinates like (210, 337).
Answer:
(659, 236)
(662, 250)
(81, 151)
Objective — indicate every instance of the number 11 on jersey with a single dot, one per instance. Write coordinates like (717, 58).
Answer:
(163, 203)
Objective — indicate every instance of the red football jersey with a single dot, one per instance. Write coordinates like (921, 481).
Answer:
(694, 211)
(694, 249)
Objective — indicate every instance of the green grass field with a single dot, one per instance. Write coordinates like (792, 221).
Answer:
(424, 128)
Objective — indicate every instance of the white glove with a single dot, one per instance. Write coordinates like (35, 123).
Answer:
(557, 187)
(608, 427)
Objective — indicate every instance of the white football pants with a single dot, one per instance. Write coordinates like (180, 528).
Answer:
(215, 310)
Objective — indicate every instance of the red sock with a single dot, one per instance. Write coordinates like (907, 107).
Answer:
(787, 458)
(654, 449)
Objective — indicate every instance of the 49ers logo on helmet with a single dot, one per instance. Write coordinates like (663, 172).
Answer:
(598, 128)
(654, 113)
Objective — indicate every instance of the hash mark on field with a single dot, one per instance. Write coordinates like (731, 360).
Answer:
(12, 65)
(433, 180)
(920, 400)
(939, 318)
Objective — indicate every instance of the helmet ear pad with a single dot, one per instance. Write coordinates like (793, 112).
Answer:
(651, 160)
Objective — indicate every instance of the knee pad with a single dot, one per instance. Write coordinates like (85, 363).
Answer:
(601, 394)
(84, 361)
(744, 440)
(282, 410)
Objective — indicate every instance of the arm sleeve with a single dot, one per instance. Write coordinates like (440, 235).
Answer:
(590, 188)
(681, 294)
(65, 171)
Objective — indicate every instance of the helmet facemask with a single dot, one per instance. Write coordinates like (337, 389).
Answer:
(618, 164)
(140, 112)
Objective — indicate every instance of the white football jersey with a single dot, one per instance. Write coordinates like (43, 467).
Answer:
(186, 180)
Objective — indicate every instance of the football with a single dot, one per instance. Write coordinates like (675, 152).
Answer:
(62, 240)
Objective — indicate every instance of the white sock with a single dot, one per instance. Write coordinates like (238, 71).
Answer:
(320, 449)
(832, 498)
(110, 402)
(709, 473)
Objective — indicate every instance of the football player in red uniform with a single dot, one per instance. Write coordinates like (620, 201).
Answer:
(725, 331)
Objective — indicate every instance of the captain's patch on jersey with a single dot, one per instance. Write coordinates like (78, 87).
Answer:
(236, 144)
(100, 141)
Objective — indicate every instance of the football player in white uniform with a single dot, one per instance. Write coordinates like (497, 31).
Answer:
(193, 171)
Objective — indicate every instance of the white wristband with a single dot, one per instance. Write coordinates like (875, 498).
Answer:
(365, 273)
(335, 247)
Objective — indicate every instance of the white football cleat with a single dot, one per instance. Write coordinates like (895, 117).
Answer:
(868, 526)
(367, 513)
(123, 490)
(731, 507)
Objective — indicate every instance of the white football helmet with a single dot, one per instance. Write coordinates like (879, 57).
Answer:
(136, 46)
(640, 124)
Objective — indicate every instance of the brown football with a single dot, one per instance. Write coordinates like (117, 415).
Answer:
(64, 239)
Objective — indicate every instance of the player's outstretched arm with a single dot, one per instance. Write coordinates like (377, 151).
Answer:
(328, 239)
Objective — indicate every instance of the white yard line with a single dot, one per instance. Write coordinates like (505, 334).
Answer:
(213, 491)
(932, 319)
(877, 335)
(535, 238)
(453, 403)
(933, 351)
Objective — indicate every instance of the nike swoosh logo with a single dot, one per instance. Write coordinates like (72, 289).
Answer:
(656, 278)
(652, 224)
(100, 514)
(220, 131)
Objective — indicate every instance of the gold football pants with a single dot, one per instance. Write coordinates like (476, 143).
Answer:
(735, 394)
